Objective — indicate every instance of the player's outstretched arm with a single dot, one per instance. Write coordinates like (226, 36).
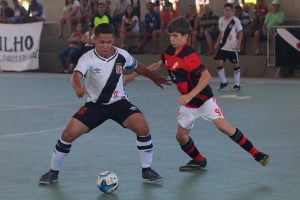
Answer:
(157, 79)
(202, 83)
(75, 81)
(152, 67)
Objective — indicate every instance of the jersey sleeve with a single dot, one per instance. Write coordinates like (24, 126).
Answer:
(238, 25)
(131, 62)
(83, 65)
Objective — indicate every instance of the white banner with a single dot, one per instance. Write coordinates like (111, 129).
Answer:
(19, 46)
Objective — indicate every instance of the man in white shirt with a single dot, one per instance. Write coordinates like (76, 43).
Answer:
(102, 71)
(228, 45)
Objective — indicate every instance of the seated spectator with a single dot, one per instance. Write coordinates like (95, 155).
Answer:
(74, 44)
(246, 24)
(167, 15)
(152, 29)
(36, 12)
(93, 7)
(273, 18)
(206, 27)
(99, 18)
(20, 13)
(88, 44)
(6, 12)
(191, 17)
(117, 13)
(130, 25)
(71, 14)
(260, 11)
(84, 12)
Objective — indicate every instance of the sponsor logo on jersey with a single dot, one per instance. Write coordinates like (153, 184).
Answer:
(96, 70)
(175, 65)
(119, 68)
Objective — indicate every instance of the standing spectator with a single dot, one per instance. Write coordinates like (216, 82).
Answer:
(246, 24)
(152, 28)
(20, 13)
(166, 16)
(260, 11)
(71, 13)
(74, 44)
(130, 25)
(191, 17)
(273, 18)
(6, 12)
(228, 45)
(206, 27)
(36, 12)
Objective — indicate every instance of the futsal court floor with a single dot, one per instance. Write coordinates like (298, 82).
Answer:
(34, 109)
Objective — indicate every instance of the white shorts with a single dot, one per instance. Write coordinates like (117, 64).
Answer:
(208, 111)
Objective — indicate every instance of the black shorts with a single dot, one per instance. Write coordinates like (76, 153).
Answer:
(233, 56)
(92, 114)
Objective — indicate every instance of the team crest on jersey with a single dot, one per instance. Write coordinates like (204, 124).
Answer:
(119, 68)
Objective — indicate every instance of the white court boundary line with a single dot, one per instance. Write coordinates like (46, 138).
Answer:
(31, 133)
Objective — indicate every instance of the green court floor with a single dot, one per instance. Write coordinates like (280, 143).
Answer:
(34, 108)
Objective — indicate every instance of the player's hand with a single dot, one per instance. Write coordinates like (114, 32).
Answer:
(184, 99)
(160, 80)
(80, 91)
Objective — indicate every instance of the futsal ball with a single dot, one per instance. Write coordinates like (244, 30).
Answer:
(107, 182)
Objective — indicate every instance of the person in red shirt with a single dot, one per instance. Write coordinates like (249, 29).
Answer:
(196, 98)
(167, 15)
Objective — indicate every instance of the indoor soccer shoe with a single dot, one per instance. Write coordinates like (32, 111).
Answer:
(223, 85)
(49, 177)
(262, 158)
(236, 88)
(194, 165)
(150, 176)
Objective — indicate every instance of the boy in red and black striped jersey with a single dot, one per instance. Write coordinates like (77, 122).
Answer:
(197, 99)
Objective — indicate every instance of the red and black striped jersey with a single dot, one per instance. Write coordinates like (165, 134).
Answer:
(185, 69)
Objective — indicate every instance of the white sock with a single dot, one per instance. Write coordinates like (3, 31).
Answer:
(145, 147)
(221, 73)
(237, 75)
(60, 152)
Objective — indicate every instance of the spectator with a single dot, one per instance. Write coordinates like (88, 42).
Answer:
(99, 18)
(246, 24)
(200, 4)
(152, 29)
(20, 13)
(93, 8)
(166, 16)
(191, 17)
(36, 12)
(88, 44)
(74, 44)
(260, 11)
(108, 11)
(273, 18)
(84, 12)
(6, 12)
(206, 27)
(130, 25)
(120, 7)
(71, 13)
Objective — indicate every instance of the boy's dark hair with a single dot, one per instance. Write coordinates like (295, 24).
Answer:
(179, 25)
(229, 5)
(105, 29)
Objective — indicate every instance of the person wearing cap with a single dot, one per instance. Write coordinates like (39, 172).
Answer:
(275, 17)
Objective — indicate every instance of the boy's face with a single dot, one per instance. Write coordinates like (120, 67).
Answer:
(104, 43)
(228, 12)
(177, 39)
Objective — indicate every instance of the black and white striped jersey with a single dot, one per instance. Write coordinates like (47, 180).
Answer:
(103, 77)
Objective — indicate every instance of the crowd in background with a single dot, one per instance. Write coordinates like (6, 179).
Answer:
(125, 15)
